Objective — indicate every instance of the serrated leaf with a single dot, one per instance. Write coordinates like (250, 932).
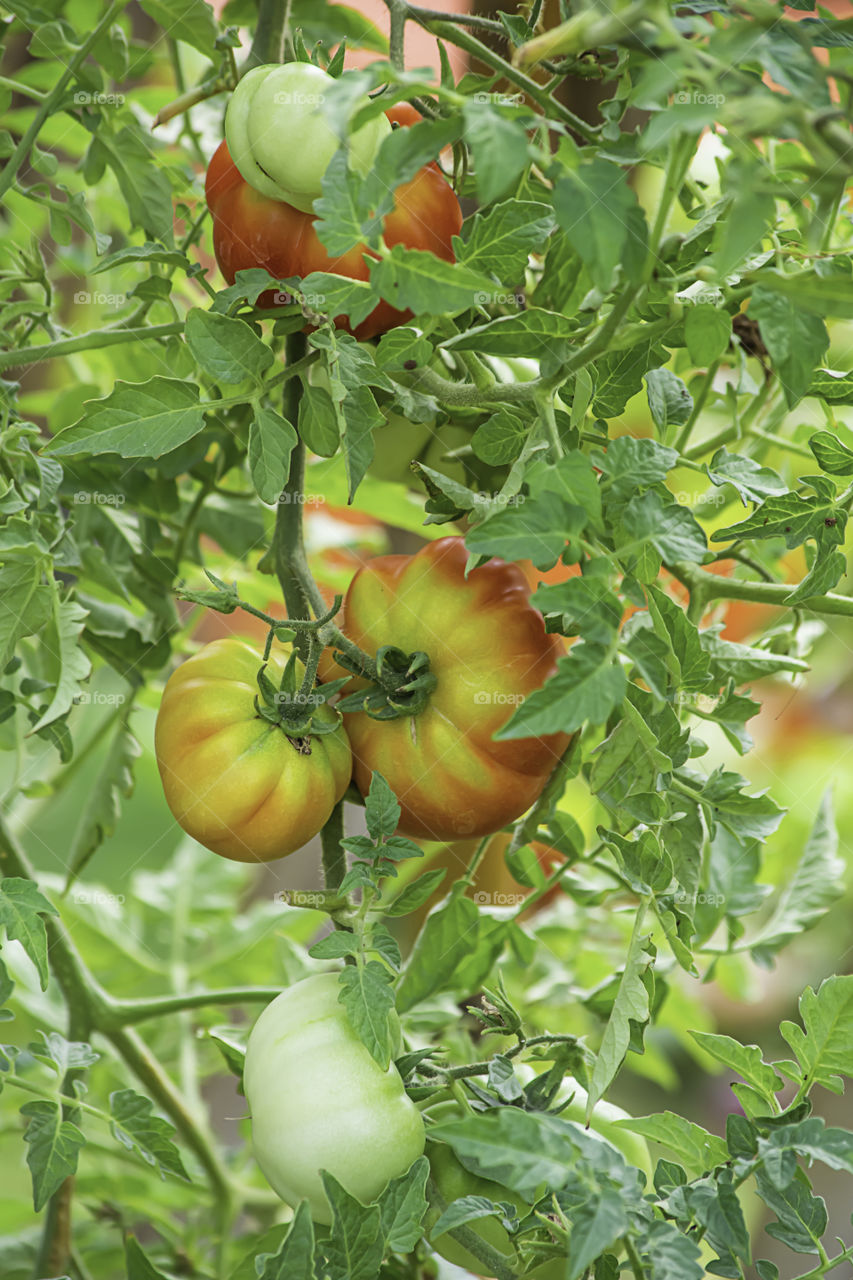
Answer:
(746, 1059)
(707, 332)
(226, 348)
(824, 1044)
(21, 911)
(697, 1150)
(295, 1255)
(414, 280)
(447, 938)
(832, 455)
(630, 1006)
(587, 686)
(136, 420)
(796, 340)
(498, 240)
(137, 1129)
(368, 998)
(53, 1148)
(272, 439)
(670, 403)
(416, 893)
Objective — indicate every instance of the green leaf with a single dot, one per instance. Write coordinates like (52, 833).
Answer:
(382, 811)
(751, 480)
(826, 572)
(136, 1128)
(226, 348)
(53, 1149)
(21, 911)
(593, 205)
(802, 1216)
(672, 624)
(498, 240)
(191, 21)
(790, 516)
(586, 605)
(368, 998)
(447, 938)
(403, 1205)
(587, 686)
(597, 1224)
(332, 295)
(696, 1149)
(416, 893)
(672, 530)
(500, 147)
(318, 422)
(795, 339)
(619, 376)
(707, 333)
(625, 768)
(832, 455)
(670, 402)
(354, 1246)
(102, 808)
(500, 439)
(361, 417)
(63, 637)
(530, 333)
(536, 529)
(414, 280)
(142, 179)
(631, 1007)
(745, 1059)
(834, 388)
(741, 662)
(632, 464)
(809, 291)
(139, 1266)
(136, 420)
(825, 1049)
(272, 439)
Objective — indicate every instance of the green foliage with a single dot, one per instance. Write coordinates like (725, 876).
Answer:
(627, 378)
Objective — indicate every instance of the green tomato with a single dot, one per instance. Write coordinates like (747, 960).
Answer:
(279, 138)
(400, 441)
(318, 1100)
(455, 1181)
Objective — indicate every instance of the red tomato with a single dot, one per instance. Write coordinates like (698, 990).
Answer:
(488, 649)
(252, 230)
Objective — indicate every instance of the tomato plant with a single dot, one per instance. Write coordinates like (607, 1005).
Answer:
(247, 786)
(470, 648)
(511, 434)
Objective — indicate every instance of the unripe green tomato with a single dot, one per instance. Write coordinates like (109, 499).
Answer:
(318, 1100)
(455, 1181)
(279, 138)
(400, 442)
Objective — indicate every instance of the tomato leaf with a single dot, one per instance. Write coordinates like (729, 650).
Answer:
(53, 1149)
(21, 911)
(368, 998)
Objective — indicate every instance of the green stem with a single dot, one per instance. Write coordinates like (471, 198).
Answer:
(52, 100)
(776, 593)
(398, 12)
(494, 1262)
(634, 1259)
(334, 855)
(94, 339)
(268, 44)
(445, 30)
(126, 1013)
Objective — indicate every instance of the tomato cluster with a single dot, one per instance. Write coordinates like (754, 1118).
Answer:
(245, 788)
(263, 179)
